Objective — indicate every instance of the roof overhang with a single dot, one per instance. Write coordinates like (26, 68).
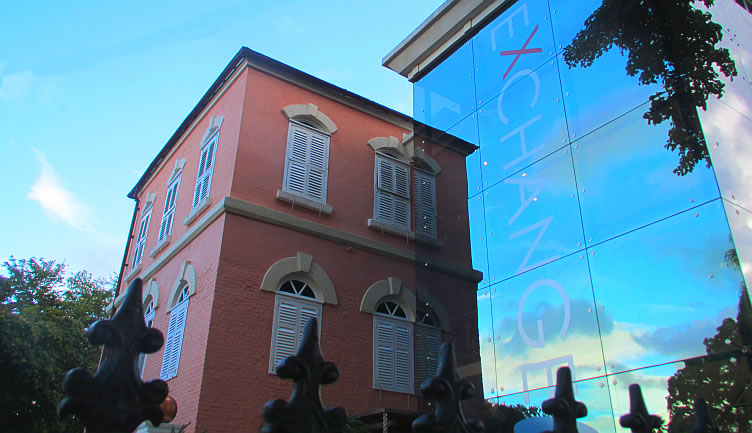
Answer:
(448, 27)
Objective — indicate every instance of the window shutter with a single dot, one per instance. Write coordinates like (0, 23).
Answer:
(425, 203)
(291, 315)
(296, 177)
(205, 171)
(383, 347)
(149, 319)
(392, 196)
(403, 357)
(427, 343)
(174, 344)
(393, 355)
(307, 163)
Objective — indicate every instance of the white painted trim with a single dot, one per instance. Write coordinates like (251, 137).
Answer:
(247, 209)
(438, 34)
(197, 211)
(307, 203)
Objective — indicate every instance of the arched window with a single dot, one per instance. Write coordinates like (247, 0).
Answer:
(175, 331)
(295, 303)
(427, 343)
(149, 320)
(392, 348)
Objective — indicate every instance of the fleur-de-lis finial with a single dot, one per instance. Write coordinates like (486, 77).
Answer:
(115, 399)
(304, 412)
(703, 421)
(446, 390)
(563, 407)
(638, 419)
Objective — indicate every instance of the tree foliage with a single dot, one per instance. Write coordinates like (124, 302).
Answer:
(501, 418)
(42, 318)
(724, 381)
(668, 42)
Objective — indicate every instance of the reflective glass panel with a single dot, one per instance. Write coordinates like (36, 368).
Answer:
(567, 21)
(737, 38)
(740, 221)
(594, 393)
(485, 339)
(597, 94)
(518, 40)
(467, 129)
(728, 133)
(544, 319)
(670, 390)
(447, 94)
(626, 179)
(478, 247)
(666, 288)
(532, 217)
(521, 125)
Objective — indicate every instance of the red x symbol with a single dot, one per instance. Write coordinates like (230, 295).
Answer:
(521, 51)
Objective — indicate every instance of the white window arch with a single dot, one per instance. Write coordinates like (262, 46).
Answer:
(295, 303)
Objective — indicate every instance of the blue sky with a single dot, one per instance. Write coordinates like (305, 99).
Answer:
(89, 93)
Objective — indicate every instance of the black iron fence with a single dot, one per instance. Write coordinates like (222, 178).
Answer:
(116, 400)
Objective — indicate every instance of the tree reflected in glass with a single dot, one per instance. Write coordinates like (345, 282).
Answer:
(670, 42)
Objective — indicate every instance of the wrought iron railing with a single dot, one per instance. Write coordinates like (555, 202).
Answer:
(116, 400)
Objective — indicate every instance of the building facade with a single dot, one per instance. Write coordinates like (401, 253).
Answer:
(609, 198)
(282, 197)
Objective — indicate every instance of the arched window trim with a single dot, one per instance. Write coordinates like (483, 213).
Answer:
(300, 267)
(390, 288)
(186, 277)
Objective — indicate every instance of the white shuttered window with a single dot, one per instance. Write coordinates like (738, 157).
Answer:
(392, 192)
(205, 169)
(174, 340)
(425, 203)
(306, 162)
(392, 354)
(165, 228)
(143, 229)
(427, 343)
(290, 316)
(149, 320)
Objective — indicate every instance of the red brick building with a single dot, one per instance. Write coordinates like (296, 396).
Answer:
(282, 197)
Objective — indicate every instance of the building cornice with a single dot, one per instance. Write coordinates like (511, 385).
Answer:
(448, 27)
(236, 206)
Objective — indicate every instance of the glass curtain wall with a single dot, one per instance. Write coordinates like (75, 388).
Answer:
(608, 203)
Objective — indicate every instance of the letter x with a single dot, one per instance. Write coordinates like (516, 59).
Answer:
(521, 51)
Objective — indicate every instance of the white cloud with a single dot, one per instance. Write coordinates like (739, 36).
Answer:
(57, 202)
(16, 86)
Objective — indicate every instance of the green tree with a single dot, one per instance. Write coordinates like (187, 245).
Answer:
(501, 418)
(669, 42)
(722, 378)
(42, 319)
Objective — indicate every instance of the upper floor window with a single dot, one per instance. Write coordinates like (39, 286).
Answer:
(392, 192)
(306, 162)
(205, 169)
(425, 203)
(168, 215)
(143, 229)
